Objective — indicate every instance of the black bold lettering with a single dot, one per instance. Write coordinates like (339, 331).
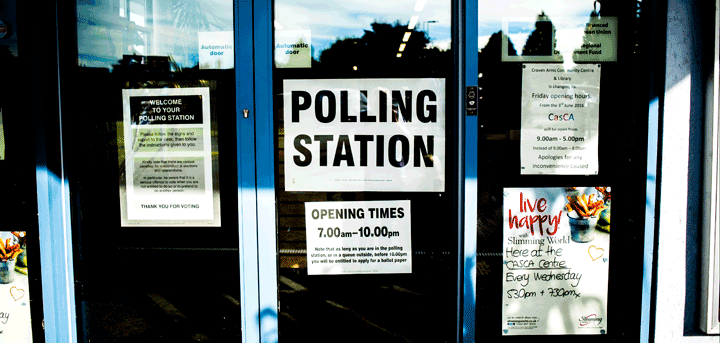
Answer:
(364, 117)
(383, 106)
(303, 150)
(422, 151)
(431, 109)
(296, 106)
(401, 107)
(319, 106)
(343, 144)
(380, 151)
(363, 139)
(344, 117)
(323, 139)
(404, 152)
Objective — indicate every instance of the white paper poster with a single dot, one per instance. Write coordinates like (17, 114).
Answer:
(364, 135)
(293, 49)
(168, 154)
(556, 255)
(15, 319)
(560, 119)
(557, 39)
(358, 237)
(216, 50)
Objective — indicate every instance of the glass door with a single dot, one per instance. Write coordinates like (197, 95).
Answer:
(20, 269)
(562, 144)
(152, 142)
(365, 165)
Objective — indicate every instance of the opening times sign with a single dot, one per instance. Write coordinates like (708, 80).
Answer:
(560, 119)
(365, 135)
(555, 262)
(358, 237)
(168, 154)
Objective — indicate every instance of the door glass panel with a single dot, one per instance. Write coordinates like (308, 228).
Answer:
(20, 270)
(367, 243)
(154, 176)
(555, 77)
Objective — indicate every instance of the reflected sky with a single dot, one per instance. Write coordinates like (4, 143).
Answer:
(102, 24)
(331, 21)
(492, 13)
(109, 29)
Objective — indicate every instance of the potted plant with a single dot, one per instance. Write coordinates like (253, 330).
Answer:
(8, 255)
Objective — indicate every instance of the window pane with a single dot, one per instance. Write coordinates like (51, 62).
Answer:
(155, 114)
(364, 128)
(562, 126)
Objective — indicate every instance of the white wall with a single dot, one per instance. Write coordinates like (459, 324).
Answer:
(681, 116)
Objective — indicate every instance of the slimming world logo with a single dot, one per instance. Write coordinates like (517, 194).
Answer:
(591, 319)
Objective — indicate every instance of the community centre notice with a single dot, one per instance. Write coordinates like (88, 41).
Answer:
(358, 237)
(560, 119)
(556, 255)
(168, 154)
(364, 135)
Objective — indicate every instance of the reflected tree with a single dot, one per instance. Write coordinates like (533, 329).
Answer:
(542, 40)
(377, 54)
(589, 39)
(499, 84)
(188, 16)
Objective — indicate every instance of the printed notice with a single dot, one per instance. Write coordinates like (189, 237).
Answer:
(293, 49)
(365, 135)
(216, 50)
(556, 255)
(167, 154)
(558, 39)
(358, 237)
(560, 119)
(15, 324)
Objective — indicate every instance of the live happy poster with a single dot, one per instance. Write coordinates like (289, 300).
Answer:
(556, 253)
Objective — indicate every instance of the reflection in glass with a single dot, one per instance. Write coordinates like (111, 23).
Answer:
(107, 30)
(547, 33)
(357, 45)
(159, 283)
(364, 36)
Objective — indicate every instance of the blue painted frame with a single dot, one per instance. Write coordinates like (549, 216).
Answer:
(265, 165)
(247, 197)
(470, 168)
(53, 193)
(256, 175)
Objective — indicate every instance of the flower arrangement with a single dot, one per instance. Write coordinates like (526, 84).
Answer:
(8, 251)
(19, 237)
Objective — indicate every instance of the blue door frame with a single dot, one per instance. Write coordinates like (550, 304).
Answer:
(256, 178)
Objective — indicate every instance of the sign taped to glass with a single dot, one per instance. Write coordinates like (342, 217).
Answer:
(556, 253)
(365, 135)
(168, 162)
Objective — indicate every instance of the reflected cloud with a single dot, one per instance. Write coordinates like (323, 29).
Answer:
(332, 22)
(107, 31)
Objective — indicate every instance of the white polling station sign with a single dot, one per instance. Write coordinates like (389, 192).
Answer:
(364, 135)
